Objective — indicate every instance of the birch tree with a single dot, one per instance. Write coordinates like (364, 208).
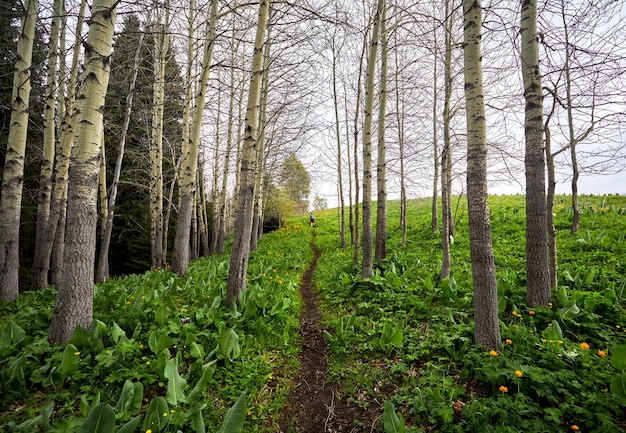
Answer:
(243, 225)
(74, 304)
(486, 322)
(49, 140)
(187, 182)
(537, 274)
(53, 241)
(381, 169)
(13, 174)
(107, 227)
(366, 260)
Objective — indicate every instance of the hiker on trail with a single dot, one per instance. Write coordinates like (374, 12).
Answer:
(312, 219)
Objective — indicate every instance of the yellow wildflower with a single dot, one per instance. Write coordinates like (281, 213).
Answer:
(493, 353)
(508, 341)
(518, 373)
(503, 388)
(584, 346)
(601, 353)
(575, 427)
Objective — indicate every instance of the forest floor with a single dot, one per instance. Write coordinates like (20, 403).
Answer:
(313, 405)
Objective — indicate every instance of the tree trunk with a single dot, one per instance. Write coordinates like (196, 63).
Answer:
(366, 260)
(161, 40)
(434, 223)
(486, 322)
(552, 252)
(257, 217)
(243, 225)
(537, 274)
(74, 304)
(102, 270)
(13, 174)
(49, 140)
(187, 185)
(51, 246)
(342, 216)
(381, 170)
(446, 205)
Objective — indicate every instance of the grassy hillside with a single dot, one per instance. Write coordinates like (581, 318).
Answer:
(165, 354)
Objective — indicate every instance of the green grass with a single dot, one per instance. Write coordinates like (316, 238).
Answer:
(555, 369)
(171, 341)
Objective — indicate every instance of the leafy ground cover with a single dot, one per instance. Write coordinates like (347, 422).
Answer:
(405, 337)
(166, 355)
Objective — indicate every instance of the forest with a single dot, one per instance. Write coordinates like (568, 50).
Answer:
(184, 144)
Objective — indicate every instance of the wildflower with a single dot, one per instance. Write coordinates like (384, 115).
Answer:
(127, 302)
(584, 346)
(132, 298)
(76, 353)
(149, 430)
(503, 388)
(575, 427)
(514, 313)
(270, 278)
(143, 298)
(264, 274)
(508, 341)
(172, 410)
(249, 413)
(493, 353)
(518, 373)
(280, 282)
(147, 362)
(601, 353)
(274, 270)
(164, 413)
(531, 312)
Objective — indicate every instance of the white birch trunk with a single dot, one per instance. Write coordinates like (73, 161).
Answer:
(13, 174)
(74, 305)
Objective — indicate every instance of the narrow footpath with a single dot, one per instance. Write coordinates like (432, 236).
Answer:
(312, 406)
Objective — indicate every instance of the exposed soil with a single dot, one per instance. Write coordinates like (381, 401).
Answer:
(313, 406)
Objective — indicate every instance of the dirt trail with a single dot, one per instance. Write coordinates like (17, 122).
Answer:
(312, 405)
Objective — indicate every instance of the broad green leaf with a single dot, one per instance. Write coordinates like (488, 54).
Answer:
(161, 314)
(117, 333)
(136, 331)
(197, 350)
(618, 357)
(207, 373)
(80, 338)
(197, 420)
(12, 334)
(162, 359)
(569, 311)
(69, 360)
(100, 420)
(156, 415)
(229, 345)
(618, 387)
(501, 304)
(391, 421)
(16, 369)
(175, 383)
(235, 417)
(130, 426)
(590, 275)
(46, 413)
(126, 397)
(135, 404)
(553, 332)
